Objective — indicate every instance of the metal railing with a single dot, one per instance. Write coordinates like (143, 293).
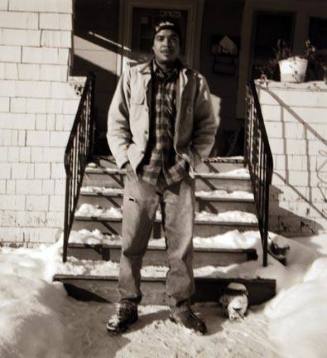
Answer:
(258, 157)
(78, 151)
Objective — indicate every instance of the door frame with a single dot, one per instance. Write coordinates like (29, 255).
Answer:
(194, 9)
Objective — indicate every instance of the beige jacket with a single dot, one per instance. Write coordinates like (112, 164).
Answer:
(129, 117)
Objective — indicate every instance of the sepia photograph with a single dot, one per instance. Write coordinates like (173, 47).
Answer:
(163, 178)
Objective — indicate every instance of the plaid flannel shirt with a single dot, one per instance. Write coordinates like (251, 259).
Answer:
(160, 156)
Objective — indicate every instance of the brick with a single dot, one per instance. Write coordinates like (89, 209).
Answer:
(28, 71)
(56, 21)
(68, 122)
(5, 171)
(62, 39)
(58, 6)
(7, 88)
(40, 55)
(17, 121)
(12, 234)
(10, 71)
(70, 106)
(63, 90)
(37, 202)
(56, 155)
(13, 154)
(22, 171)
(54, 106)
(55, 219)
(38, 138)
(54, 72)
(3, 153)
(11, 187)
(57, 203)
(19, 20)
(3, 186)
(41, 122)
(8, 218)
(32, 187)
(51, 122)
(15, 37)
(60, 187)
(36, 89)
(58, 139)
(42, 171)
(3, 5)
(4, 104)
(12, 202)
(18, 105)
(57, 171)
(25, 155)
(48, 187)
(64, 56)
(31, 218)
(8, 137)
(22, 138)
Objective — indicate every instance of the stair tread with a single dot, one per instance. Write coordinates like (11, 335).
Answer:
(213, 195)
(84, 267)
(151, 246)
(237, 174)
(65, 276)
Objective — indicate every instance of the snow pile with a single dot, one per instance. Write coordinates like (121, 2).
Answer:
(38, 320)
(29, 322)
(237, 194)
(230, 216)
(90, 210)
(241, 173)
(100, 190)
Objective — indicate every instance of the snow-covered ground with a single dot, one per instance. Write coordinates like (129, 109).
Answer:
(38, 319)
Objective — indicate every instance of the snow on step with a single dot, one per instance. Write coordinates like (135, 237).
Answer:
(230, 240)
(207, 194)
(241, 173)
(89, 210)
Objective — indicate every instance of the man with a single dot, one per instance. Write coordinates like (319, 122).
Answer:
(160, 125)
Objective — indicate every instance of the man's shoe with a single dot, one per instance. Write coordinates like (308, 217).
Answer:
(123, 318)
(188, 319)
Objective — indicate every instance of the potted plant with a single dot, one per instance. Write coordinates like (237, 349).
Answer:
(293, 68)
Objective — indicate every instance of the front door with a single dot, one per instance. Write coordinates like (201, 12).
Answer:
(139, 18)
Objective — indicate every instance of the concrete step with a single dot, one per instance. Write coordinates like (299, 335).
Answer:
(87, 287)
(156, 253)
(238, 179)
(214, 165)
(215, 202)
(202, 228)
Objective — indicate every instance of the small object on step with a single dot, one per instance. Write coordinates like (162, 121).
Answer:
(188, 319)
(125, 316)
(92, 165)
(234, 301)
(278, 247)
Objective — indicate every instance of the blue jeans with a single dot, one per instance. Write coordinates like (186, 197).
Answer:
(140, 204)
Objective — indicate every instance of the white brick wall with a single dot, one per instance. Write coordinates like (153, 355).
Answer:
(57, 6)
(37, 108)
(295, 119)
(55, 21)
(19, 20)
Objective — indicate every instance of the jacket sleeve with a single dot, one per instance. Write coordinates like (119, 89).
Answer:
(119, 134)
(205, 122)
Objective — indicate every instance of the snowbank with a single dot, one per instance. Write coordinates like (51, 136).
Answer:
(38, 319)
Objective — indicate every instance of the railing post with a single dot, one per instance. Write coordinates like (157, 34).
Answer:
(78, 150)
(259, 159)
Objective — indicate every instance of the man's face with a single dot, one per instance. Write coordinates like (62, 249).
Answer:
(166, 46)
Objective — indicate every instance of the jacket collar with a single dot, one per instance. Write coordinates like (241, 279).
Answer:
(145, 68)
